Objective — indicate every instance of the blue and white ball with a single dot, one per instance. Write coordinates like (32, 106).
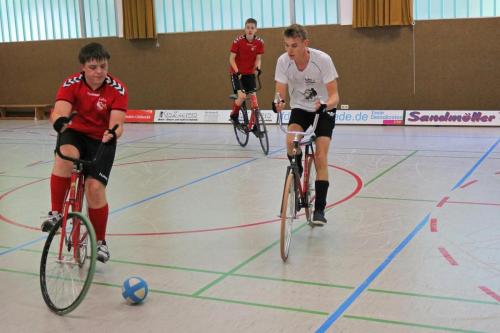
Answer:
(134, 290)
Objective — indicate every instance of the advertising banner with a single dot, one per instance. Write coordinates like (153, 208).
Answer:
(370, 117)
(363, 117)
(139, 116)
(204, 116)
(452, 118)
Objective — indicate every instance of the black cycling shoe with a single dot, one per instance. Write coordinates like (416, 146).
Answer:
(319, 219)
(234, 119)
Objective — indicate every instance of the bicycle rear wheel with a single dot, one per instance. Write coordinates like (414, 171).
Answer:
(66, 275)
(309, 188)
(261, 132)
(241, 129)
(288, 214)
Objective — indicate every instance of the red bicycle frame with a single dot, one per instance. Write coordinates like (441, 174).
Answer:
(254, 106)
(73, 202)
(308, 156)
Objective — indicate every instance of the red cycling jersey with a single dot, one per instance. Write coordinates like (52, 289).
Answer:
(246, 53)
(93, 106)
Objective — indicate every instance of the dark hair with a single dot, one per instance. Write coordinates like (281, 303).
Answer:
(294, 31)
(93, 51)
(251, 20)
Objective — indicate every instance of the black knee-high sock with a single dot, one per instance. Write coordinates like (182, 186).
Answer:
(298, 159)
(321, 192)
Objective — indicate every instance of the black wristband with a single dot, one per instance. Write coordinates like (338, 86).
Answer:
(59, 123)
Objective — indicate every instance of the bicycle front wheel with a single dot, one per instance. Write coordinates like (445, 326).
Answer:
(288, 214)
(66, 272)
(241, 129)
(262, 132)
(309, 188)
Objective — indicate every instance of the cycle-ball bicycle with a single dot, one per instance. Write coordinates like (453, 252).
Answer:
(297, 193)
(69, 255)
(251, 124)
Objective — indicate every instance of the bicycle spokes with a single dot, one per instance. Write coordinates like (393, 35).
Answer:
(66, 272)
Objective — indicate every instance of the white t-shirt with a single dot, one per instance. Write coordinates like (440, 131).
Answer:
(307, 86)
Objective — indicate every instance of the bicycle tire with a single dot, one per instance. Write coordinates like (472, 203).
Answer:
(261, 132)
(241, 129)
(309, 188)
(54, 273)
(288, 214)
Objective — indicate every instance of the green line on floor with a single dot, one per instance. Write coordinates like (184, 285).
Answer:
(269, 306)
(395, 322)
(311, 283)
(252, 258)
(390, 168)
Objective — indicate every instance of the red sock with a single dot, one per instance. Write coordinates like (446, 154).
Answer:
(99, 219)
(58, 188)
(236, 109)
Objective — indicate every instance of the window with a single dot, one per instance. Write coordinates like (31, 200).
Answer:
(446, 9)
(203, 15)
(309, 12)
(25, 20)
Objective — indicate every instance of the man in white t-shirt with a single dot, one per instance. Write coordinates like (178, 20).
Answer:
(310, 76)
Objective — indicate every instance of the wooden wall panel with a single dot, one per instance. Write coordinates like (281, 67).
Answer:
(456, 64)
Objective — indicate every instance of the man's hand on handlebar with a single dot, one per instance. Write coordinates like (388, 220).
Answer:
(278, 106)
(320, 107)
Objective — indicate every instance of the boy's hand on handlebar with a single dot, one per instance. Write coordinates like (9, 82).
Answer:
(61, 123)
(109, 136)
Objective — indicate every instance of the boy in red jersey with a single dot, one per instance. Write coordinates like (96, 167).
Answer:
(244, 60)
(101, 102)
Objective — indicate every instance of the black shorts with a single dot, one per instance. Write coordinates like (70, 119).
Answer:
(88, 148)
(326, 121)
(247, 83)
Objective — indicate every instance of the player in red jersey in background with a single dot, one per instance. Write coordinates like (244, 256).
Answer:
(101, 102)
(244, 60)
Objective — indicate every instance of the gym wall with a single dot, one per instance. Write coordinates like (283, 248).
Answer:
(456, 65)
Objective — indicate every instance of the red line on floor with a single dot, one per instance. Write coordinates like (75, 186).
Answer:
(490, 293)
(9, 221)
(359, 186)
(448, 256)
(434, 224)
(442, 202)
(468, 183)
(474, 203)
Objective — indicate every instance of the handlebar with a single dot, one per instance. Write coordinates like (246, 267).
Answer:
(97, 156)
(259, 85)
(310, 130)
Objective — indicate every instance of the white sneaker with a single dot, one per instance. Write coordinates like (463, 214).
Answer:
(102, 251)
(50, 220)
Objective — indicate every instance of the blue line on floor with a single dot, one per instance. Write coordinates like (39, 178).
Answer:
(474, 167)
(133, 204)
(335, 315)
(22, 245)
(345, 305)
